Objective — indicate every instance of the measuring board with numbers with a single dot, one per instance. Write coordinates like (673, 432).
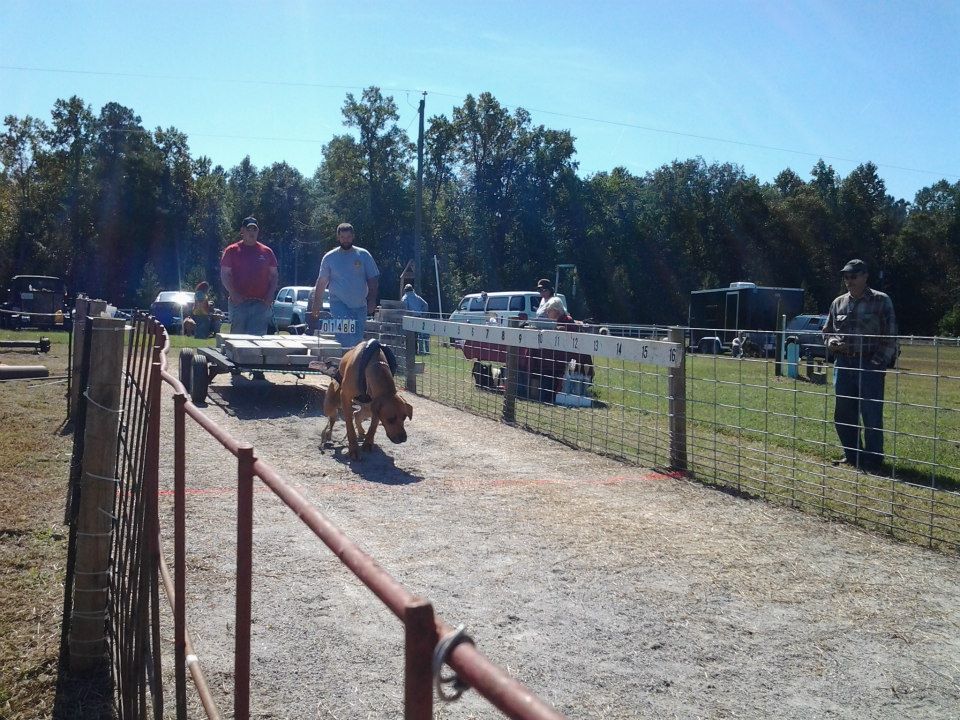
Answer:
(648, 352)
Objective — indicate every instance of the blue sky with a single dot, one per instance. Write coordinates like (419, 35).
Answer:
(767, 85)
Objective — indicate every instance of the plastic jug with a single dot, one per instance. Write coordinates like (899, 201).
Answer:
(793, 359)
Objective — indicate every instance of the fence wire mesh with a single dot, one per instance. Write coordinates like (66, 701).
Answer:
(133, 612)
(776, 437)
(758, 426)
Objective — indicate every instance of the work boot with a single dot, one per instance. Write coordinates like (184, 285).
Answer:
(843, 462)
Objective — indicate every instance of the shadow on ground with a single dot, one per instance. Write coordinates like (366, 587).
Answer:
(920, 477)
(375, 466)
(261, 399)
(84, 696)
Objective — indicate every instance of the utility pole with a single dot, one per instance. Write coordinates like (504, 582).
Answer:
(418, 222)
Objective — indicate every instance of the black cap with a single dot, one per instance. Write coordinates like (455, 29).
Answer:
(248, 221)
(545, 283)
(855, 266)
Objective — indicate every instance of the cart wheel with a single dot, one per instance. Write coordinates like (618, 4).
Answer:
(200, 379)
(186, 366)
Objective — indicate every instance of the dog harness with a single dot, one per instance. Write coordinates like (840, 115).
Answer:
(371, 349)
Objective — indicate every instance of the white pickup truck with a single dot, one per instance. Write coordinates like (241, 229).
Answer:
(290, 307)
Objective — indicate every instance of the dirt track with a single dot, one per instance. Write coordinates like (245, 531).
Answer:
(611, 591)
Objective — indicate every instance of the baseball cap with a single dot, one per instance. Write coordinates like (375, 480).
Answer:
(854, 266)
(544, 283)
(248, 221)
(408, 287)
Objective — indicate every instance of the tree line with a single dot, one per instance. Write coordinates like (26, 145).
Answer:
(121, 211)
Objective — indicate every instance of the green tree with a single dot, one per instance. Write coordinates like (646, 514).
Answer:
(286, 206)
(148, 288)
(128, 180)
(71, 139)
(384, 151)
(21, 153)
(210, 221)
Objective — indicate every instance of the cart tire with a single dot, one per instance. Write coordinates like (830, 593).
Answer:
(187, 356)
(200, 379)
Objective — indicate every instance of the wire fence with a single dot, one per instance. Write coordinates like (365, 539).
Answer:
(764, 427)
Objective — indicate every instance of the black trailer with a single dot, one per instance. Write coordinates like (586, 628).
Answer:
(38, 301)
(719, 315)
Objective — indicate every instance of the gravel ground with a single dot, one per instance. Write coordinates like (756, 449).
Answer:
(610, 590)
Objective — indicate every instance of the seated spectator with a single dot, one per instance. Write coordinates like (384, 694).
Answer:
(201, 310)
(551, 307)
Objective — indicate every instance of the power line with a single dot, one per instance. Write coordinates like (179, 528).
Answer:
(553, 113)
(742, 143)
(200, 78)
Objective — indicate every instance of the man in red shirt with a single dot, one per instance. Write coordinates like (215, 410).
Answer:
(248, 271)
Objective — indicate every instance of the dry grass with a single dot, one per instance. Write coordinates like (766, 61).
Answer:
(34, 466)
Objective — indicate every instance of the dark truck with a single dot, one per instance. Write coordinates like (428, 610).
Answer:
(808, 329)
(719, 315)
(37, 301)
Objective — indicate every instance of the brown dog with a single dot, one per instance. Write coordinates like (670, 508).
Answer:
(385, 405)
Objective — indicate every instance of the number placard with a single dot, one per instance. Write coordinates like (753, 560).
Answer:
(337, 326)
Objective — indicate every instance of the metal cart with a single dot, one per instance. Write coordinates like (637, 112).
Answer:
(199, 366)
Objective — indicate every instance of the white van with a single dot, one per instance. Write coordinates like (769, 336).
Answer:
(479, 308)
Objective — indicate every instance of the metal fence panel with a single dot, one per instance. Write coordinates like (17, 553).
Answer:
(761, 426)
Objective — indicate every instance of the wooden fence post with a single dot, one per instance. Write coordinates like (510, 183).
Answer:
(778, 345)
(677, 392)
(84, 308)
(76, 362)
(510, 389)
(411, 354)
(98, 491)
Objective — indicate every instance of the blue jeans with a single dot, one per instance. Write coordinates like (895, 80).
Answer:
(339, 310)
(202, 328)
(859, 395)
(249, 318)
(423, 343)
